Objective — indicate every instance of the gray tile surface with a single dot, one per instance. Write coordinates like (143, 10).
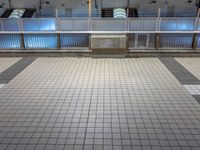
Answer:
(97, 104)
(197, 97)
(10, 73)
(180, 72)
(6, 62)
(185, 77)
(191, 64)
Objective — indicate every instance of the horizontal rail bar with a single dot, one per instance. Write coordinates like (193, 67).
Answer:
(94, 32)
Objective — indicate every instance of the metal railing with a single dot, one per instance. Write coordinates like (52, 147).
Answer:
(58, 33)
(178, 24)
(142, 24)
(38, 24)
(72, 24)
(89, 25)
(107, 24)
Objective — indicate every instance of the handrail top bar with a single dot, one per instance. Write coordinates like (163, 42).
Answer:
(98, 32)
(97, 25)
(25, 18)
(97, 18)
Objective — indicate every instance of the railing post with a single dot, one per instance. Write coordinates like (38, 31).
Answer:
(21, 25)
(197, 20)
(158, 20)
(58, 29)
(38, 23)
(195, 41)
(21, 29)
(128, 25)
(127, 15)
(2, 27)
(195, 37)
(22, 43)
(89, 24)
(58, 41)
(157, 41)
(157, 36)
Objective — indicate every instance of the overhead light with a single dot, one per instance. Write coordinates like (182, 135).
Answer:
(119, 13)
(17, 13)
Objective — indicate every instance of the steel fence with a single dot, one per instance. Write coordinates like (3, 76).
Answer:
(53, 33)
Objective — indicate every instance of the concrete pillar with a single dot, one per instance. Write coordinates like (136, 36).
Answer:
(157, 41)
(195, 41)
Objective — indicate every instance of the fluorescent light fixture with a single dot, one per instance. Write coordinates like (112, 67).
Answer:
(17, 13)
(119, 13)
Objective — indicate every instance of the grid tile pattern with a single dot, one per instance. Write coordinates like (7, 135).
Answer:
(7, 62)
(10, 73)
(180, 72)
(191, 64)
(183, 74)
(97, 104)
(193, 89)
(197, 97)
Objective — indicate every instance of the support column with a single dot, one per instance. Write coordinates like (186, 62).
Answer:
(195, 41)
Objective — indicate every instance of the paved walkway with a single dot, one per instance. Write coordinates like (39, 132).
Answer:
(99, 104)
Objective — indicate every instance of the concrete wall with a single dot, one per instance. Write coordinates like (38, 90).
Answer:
(109, 44)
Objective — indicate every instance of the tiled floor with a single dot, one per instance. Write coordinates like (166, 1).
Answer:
(193, 89)
(11, 72)
(7, 62)
(98, 104)
(192, 64)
